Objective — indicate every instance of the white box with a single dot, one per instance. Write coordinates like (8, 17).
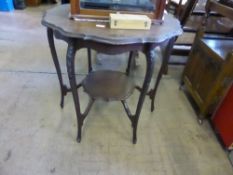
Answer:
(129, 21)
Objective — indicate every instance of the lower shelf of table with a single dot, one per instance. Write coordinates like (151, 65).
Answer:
(108, 85)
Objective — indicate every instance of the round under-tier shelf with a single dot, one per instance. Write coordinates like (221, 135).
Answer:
(108, 85)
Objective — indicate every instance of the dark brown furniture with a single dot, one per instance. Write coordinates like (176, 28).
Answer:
(183, 10)
(109, 85)
(209, 69)
(33, 2)
(191, 15)
(77, 9)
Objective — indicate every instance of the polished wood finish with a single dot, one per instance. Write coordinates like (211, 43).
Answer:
(90, 13)
(182, 12)
(80, 35)
(57, 18)
(160, 6)
(77, 10)
(117, 85)
(191, 21)
(221, 47)
(224, 10)
(207, 74)
(63, 87)
(209, 69)
(74, 7)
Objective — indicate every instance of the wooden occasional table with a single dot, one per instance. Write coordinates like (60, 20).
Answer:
(109, 85)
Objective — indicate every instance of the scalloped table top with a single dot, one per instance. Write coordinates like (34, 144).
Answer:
(58, 19)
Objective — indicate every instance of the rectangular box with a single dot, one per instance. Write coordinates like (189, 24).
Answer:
(128, 21)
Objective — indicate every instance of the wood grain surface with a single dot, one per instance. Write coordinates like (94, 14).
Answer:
(57, 18)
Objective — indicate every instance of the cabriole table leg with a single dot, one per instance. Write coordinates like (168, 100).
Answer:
(149, 71)
(165, 58)
(70, 59)
(63, 88)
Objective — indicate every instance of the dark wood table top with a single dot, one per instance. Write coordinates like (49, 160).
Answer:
(57, 18)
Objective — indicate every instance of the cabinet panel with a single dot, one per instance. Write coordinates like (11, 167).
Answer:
(194, 68)
(206, 76)
(211, 69)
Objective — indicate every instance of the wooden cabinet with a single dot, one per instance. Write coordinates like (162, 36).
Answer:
(208, 72)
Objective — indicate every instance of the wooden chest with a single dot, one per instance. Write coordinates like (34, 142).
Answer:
(208, 73)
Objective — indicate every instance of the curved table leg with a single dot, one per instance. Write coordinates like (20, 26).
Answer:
(165, 58)
(89, 60)
(145, 87)
(70, 59)
(63, 88)
(130, 61)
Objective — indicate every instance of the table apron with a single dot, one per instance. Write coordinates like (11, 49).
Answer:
(110, 49)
